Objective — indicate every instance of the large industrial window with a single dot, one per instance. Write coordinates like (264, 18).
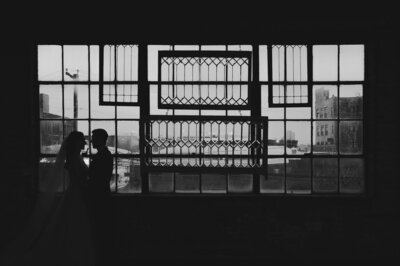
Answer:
(211, 119)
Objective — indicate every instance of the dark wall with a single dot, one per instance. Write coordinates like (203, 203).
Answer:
(278, 229)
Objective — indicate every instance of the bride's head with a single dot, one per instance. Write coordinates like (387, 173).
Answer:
(75, 142)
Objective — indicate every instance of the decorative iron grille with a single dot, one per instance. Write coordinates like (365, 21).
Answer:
(213, 143)
(204, 79)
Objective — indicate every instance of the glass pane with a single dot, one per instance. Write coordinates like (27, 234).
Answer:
(129, 178)
(296, 63)
(51, 136)
(127, 62)
(213, 183)
(351, 101)
(99, 111)
(76, 62)
(325, 137)
(272, 113)
(298, 175)
(278, 63)
(109, 63)
(94, 63)
(298, 112)
(128, 137)
(50, 101)
(274, 182)
(352, 62)
(276, 138)
(108, 126)
(213, 47)
(325, 171)
(240, 182)
(351, 175)
(325, 62)
(161, 182)
(298, 137)
(187, 183)
(263, 68)
(49, 62)
(76, 101)
(152, 57)
(325, 105)
(128, 112)
(351, 137)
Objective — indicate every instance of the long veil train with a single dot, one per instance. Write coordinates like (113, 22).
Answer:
(58, 218)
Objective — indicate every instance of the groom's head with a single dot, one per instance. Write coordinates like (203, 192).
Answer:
(99, 138)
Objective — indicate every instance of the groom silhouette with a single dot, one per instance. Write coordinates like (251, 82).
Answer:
(100, 172)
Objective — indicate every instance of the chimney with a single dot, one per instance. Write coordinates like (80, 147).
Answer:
(44, 103)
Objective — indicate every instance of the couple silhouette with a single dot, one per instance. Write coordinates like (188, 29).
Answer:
(70, 226)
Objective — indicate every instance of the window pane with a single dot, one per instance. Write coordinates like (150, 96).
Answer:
(187, 182)
(76, 62)
(51, 136)
(94, 62)
(128, 112)
(129, 178)
(263, 68)
(298, 175)
(76, 101)
(128, 137)
(325, 104)
(296, 63)
(127, 62)
(274, 182)
(325, 62)
(298, 113)
(49, 63)
(213, 183)
(276, 138)
(298, 137)
(109, 63)
(351, 137)
(240, 182)
(108, 126)
(351, 101)
(278, 63)
(351, 62)
(351, 175)
(325, 137)
(99, 111)
(161, 182)
(325, 171)
(50, 101)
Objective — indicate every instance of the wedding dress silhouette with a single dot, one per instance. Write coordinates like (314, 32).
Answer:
(59, 232)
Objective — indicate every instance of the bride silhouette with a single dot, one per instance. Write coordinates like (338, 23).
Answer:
(59, 232)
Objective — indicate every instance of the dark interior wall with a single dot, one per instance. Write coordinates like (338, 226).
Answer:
(279, 229)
